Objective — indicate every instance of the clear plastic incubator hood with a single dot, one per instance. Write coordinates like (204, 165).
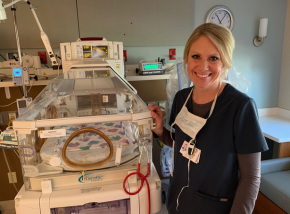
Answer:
(79, 139)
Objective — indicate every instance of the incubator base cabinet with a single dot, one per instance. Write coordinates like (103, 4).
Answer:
(85, 145)
(101, 197)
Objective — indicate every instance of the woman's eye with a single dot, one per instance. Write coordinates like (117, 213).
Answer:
(213, 58)
(195, 56)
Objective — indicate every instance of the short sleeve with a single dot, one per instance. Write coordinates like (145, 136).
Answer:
(248, 136)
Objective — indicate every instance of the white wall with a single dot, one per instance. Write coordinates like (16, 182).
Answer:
(284, 93)
(261, 65)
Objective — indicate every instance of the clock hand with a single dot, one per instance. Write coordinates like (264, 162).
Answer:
(223, 18)
(218, 18)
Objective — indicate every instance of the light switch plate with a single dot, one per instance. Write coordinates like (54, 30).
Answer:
(12, 178)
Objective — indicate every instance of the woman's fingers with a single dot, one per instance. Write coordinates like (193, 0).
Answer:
(155, 108)
(156, 113)
(156, 117)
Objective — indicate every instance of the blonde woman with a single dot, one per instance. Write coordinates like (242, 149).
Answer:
(217, 141)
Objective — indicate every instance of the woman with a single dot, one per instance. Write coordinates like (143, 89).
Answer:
(219, 172)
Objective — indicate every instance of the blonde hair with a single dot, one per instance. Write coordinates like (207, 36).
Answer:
(220, 36)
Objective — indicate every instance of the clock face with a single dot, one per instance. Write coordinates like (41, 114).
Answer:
(222, 16)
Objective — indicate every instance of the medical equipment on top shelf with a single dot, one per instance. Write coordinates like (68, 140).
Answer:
(12, 56)
(28, 61)
(150, 67)
(89, 50)
(84, 134)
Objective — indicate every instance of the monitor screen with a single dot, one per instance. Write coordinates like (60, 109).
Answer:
(22, 104)
(100, 51)
(151, 66)
(17, 72)
(87, 51)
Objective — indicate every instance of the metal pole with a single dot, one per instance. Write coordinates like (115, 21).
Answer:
(25, 91)
(16, 33)
(18, 45)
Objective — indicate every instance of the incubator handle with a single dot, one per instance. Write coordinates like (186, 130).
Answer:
(22, 152)
(89, 165)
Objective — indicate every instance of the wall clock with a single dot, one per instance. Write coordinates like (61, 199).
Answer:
(220, 15)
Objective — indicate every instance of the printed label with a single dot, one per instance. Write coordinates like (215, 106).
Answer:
(52, 133)
(90, 177)
(98, 189)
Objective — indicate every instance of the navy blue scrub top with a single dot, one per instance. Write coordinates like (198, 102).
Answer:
(232, 129)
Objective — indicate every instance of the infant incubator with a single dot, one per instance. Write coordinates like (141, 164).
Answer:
(80, 139)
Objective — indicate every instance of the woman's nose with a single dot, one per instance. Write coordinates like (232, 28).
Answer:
(204, 65)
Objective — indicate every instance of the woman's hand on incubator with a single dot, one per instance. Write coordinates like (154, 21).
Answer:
(156, 113)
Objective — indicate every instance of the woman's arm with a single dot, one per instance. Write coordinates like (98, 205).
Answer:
(248, 188)
(166, 138)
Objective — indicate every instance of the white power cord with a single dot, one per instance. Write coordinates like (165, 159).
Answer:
(9, 169)
(16, 153)
(31, 86)
(7, 105)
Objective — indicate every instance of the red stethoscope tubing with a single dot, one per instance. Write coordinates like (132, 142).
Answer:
(143, 178)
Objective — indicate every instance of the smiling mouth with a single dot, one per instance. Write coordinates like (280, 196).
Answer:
(203, 76)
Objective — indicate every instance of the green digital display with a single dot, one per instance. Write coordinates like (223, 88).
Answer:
(151, 66)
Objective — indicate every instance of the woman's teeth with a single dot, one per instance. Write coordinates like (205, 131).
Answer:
(202, 75)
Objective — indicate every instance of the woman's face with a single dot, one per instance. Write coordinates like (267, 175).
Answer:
(204, 64)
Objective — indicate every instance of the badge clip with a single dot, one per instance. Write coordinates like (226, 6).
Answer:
(191, 148)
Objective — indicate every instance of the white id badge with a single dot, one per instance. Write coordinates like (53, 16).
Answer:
(184, 148)
(195, 156)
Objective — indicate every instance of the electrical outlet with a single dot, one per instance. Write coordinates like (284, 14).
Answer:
(12, 177)
(12, 115)
(42, 56)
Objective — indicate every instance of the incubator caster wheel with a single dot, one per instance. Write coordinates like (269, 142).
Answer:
(163, 196)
